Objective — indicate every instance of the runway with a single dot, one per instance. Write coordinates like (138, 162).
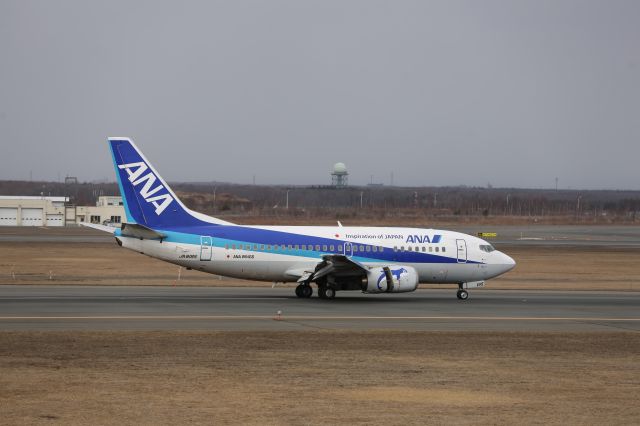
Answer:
(214, 308)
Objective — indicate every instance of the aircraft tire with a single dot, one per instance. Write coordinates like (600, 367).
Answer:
(306, 291)
(299, 290)
(462, 294)
(322, 292)
(329, 293)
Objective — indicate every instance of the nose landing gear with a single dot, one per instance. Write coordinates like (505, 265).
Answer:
(462, 294)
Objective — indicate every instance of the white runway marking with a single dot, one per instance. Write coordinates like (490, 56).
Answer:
(307, 317)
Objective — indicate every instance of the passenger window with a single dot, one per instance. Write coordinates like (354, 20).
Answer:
(269, 248)
(409, 248)
(261, 247)
(255, 247)
(380, 249)
(324, 247)
(233, 246)
(290, 247)
(226, 246)
(417, 248)
(317, 247)
(424, 249)
(297, 247)
(395, 248)
(375, 249)
(340, 247)
(443, 249)
(430, 249)
(437, 249)
(368, 248)
(332, 248)
(401, 248)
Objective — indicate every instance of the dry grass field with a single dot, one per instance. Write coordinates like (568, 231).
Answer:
(539, 267)
(317, 377)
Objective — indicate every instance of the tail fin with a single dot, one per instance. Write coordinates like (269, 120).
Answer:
(147, 198)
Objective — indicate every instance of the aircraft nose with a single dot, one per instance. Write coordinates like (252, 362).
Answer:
(507, 262)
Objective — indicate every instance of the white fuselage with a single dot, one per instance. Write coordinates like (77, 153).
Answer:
(284, 254)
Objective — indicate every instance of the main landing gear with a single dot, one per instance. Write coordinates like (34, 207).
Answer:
(304, 291)
(462, 293)
(325, 292)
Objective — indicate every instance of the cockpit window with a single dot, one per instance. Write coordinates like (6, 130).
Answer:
(487, 247)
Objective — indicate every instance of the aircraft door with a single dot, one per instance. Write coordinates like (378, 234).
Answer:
(462, 251)
(206, 249)
(348, 249)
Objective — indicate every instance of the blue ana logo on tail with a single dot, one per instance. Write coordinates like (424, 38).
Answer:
(136, 172)
(395, 273)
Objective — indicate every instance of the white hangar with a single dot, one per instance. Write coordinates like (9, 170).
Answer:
(56, 211)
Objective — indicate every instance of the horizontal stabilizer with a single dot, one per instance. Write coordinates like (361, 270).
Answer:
(140, 231)
(103, 228)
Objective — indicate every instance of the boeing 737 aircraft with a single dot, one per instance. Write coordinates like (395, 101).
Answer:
(335, 258)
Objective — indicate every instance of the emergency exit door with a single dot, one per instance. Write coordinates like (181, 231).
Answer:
(205, 248)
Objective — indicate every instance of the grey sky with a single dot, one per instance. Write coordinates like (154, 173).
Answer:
(509, 92)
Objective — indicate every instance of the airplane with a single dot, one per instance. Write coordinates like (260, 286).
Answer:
(374, 260)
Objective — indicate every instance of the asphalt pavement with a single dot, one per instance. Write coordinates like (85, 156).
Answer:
(73, 307)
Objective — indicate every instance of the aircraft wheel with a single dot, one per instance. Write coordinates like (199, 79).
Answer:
(306, 291)
(462, 294)
(325, 292)
(322, 292)
(329, 293)
(299, 291)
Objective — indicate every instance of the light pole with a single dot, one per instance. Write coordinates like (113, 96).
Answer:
(287, 203)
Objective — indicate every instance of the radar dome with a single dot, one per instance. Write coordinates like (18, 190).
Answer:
(339, 168)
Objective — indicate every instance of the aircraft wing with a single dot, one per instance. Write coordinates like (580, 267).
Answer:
(332, 264)
(337, 265)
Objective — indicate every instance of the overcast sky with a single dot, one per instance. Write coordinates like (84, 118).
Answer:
(512, 93)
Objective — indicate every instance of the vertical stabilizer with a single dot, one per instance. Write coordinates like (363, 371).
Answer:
(148, 200)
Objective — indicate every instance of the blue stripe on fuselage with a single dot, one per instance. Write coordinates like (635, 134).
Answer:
(239, 235)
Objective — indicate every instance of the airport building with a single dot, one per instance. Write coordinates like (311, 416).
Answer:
(107, 209)
(56, 211)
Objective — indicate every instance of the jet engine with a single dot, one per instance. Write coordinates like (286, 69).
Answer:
(390, 279)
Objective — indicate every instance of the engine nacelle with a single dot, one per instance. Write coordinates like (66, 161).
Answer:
(390, 279)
